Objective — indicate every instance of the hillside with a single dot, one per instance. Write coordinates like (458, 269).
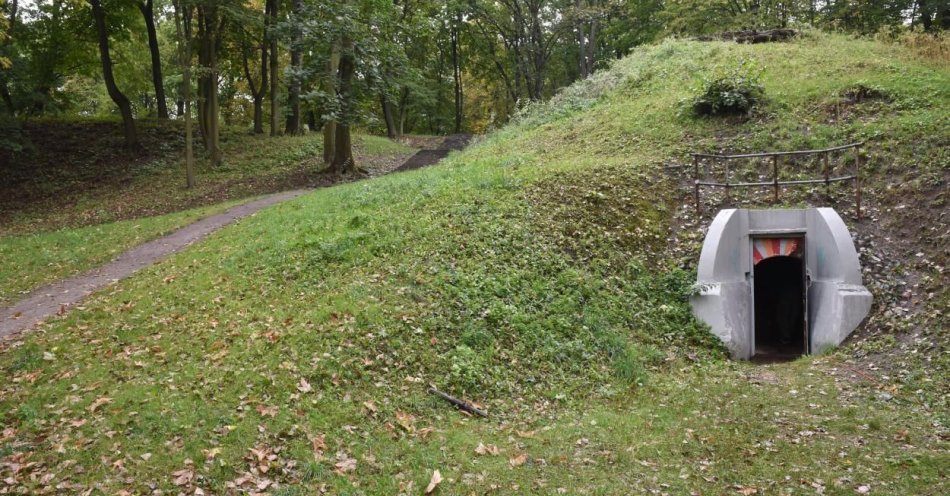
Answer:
(543, 273)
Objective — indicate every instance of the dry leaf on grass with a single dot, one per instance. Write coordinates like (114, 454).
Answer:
(491, 449)
(434, 481)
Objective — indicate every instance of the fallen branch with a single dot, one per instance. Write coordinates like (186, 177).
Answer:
(460, 404)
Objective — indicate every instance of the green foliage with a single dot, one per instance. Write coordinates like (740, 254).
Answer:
(463, 277)
(731, 90)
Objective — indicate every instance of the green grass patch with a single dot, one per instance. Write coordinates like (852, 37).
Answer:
(29, 261)
(531, 273)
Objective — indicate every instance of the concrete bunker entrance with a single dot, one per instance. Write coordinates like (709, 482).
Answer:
(766, 296)
(779, 308)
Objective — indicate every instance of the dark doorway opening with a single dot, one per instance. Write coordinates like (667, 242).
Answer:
(779, 300)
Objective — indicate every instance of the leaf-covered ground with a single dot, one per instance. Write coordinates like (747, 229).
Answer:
(542, 273)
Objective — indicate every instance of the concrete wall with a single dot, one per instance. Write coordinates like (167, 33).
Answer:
(837, 300)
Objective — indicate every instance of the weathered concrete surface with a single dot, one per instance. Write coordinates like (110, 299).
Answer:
(837, 299)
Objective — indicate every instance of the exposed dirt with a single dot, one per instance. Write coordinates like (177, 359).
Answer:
(429, 156)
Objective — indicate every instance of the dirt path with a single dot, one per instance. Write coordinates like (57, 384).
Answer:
(55, 299)
(430, 156)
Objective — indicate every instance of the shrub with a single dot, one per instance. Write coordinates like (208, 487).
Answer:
(732, 91)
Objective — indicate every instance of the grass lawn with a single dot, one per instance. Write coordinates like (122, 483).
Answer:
(82, 213)
(32, 260)
(543, 273)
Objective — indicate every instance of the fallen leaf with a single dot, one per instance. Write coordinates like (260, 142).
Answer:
(183, 477)
(518, 460)
(370, 406)
(267, 411)
(319, 445)
(345, 463)
(405, 420)
(98, 402)
(434, 481)
(304, 386)
(491, 449)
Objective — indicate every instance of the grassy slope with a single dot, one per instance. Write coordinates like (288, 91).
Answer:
(32, 260)
(529, 273)
(85, 236)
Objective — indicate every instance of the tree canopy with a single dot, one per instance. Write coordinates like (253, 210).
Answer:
(389, 66)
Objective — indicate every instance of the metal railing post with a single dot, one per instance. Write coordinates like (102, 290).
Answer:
(699, 209)
(728, 198)
(775, 176)
(857, 182)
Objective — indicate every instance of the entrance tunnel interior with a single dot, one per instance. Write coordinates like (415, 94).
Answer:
(779, 306)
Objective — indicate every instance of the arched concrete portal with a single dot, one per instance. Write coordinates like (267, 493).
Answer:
(835, 300)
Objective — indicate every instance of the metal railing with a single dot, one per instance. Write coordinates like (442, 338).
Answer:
(700, 181)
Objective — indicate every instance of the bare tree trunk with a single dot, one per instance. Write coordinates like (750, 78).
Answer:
(274, 82)
(457, 72)
(125, 106)
(343, 154)
(4, 89)
(403, 110)
(581, 42)
(149, 15)
(294, 124)
(592, 46)
(329, 87)
(387, 107)
(184, 55)
(208, 30)
(257, 91)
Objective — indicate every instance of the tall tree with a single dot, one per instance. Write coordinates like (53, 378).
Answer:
(210, 25)
(183, 16)
(148, 13)
(294, 118)
(457, 70)
(271, 14)
(343, 148)
(121, 101)
(258, 90)
(330, 87)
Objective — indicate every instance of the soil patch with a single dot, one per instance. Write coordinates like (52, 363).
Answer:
(429, 156)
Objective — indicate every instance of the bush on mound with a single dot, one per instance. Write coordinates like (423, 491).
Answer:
(732, 91)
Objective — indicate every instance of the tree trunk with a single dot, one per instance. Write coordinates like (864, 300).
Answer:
(403, 110)
(121, 101)
(13, 7)
(271, 7)
(149, 15)
(388, 116)
(581, 42)
(294, 119)
(329, 87)
(184, 55)
(457, 73)
(343, 153)
(257, 91)
(208, 81)
(591, 46)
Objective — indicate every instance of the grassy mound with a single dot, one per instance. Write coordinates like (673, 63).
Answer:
(540, 273)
